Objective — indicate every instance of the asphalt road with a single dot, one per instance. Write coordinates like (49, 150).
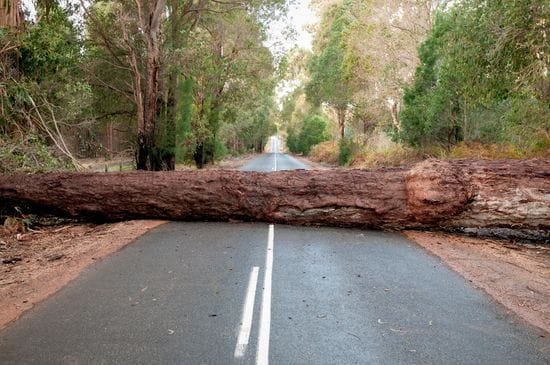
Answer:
(236, 293)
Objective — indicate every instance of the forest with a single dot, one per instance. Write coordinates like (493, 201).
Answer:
(163, 81)
(396, 81)
(169, 82)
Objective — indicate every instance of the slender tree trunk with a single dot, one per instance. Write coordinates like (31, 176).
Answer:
(394, 111)
(169, 155)
(341, 116)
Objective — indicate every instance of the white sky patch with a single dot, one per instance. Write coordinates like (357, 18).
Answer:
(76, 17)
(28, 8)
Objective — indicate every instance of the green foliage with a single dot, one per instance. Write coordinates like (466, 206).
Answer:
(30, 154)
(50, 47)
(481, 78)
(292, 142)
(313, 130)
(44, 92)
(330, 81)
(346, 151)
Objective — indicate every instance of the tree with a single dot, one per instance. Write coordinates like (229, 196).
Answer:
(233, 85)
(380, 56)
(452, 195)
(10, 13)
(329, 82)
(312, 132)
(130, 34)
(42, 94)
(483, 77)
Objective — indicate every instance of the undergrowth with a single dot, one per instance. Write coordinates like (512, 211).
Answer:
(382, 152)
(29, 154)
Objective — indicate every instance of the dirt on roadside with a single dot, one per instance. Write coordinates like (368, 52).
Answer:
(34, 265)
(515, 275)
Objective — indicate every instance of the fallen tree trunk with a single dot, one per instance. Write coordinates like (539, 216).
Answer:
(460, 194)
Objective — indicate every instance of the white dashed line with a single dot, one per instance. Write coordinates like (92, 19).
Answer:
(262, 357)
(248, 311)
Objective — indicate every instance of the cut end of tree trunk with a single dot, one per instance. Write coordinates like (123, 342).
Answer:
(437, 190)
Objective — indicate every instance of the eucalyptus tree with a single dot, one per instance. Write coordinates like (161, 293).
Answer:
(130, 34)
(329, 83)
(483, 77)
(380, 55)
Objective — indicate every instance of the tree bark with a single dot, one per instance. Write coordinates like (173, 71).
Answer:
(146, 158)
(499, 196)
(341, 114)
(10, 13)
(394, 111)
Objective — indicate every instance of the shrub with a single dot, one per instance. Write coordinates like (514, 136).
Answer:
(28, 155)
(327, 152)
(312, 132)
(346, 151)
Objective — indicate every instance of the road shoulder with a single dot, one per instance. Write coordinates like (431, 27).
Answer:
(37, 264)
(515, 275)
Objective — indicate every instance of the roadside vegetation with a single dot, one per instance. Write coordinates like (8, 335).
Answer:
(169, 82)
(400, 81)
(161, 82)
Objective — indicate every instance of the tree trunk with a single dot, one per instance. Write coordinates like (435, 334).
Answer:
(146, 158)
(507, 196)
(394, 111)
(341, 114)
(174, 41)
(10, 13)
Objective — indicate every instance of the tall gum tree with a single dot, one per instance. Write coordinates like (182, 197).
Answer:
(329, 84)
(130, 34)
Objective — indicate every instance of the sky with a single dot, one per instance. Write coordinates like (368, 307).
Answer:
(298, 18)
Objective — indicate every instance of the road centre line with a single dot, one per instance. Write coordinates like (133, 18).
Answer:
(262, 357)
(248, 311)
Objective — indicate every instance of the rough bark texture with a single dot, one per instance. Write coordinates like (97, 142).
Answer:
(10, 13)
(460, 194)
(151, 23)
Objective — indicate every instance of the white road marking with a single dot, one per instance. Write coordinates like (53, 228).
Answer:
(262, 357)
(248, 311)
